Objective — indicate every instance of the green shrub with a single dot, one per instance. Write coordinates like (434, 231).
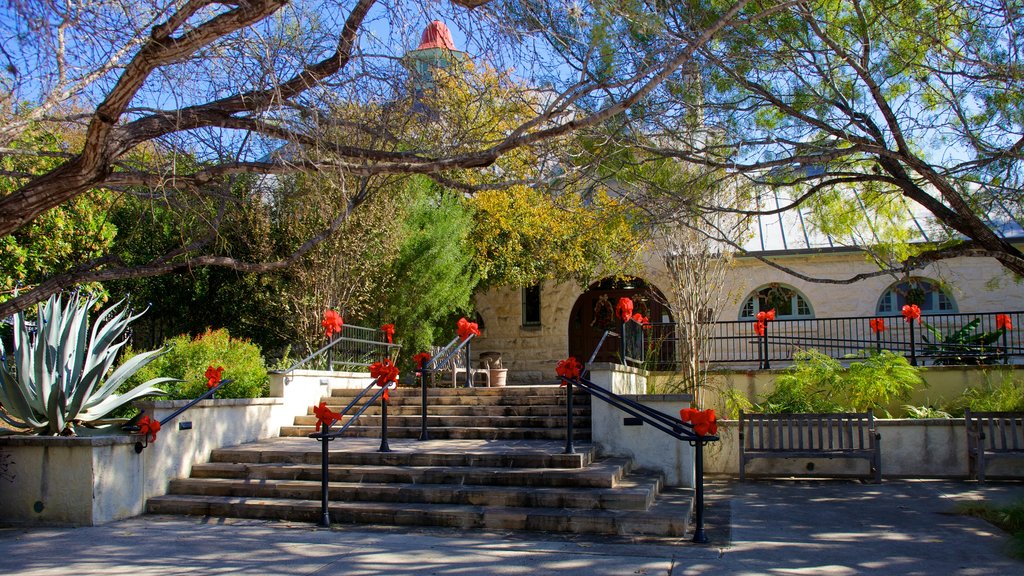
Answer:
(1006, 396)
(189, 358)
(818, 383)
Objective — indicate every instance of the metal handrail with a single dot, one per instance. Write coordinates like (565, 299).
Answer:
(676, 428)
(735, 341)
(433, 365)
(326, 435)
(140, 445)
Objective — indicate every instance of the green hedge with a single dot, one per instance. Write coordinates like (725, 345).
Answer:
(189, 358)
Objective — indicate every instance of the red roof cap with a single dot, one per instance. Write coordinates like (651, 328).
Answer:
(436, 35)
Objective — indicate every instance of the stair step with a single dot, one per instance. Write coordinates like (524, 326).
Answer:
(583, 457)
(493, 411)
(459, 421)
(489, 400)
(633, 494)
(603, 474)
(624, 522)
(483, 433)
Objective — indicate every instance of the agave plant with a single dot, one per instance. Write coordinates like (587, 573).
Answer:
(59, 376)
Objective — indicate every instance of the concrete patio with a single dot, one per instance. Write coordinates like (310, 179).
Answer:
(780, 527)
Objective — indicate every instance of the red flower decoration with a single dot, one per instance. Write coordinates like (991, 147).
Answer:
(149, 427)
(569, 368)
(324, 416)
(385, 373)
(703, 421)
(911, 312)
(213, 375)
(389, 331)
(465, 328)
(641, 319)
(421, 359)
(1003, 321)
(759, 327)
(766, 316)
(332, 323)
(877, 325)
(624, 309)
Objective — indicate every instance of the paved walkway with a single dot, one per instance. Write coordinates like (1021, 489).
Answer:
(791, 527)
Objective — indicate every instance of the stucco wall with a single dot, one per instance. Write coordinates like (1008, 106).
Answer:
(648, 447)
(94, 480)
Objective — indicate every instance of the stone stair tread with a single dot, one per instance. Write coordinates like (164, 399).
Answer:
(633, 493)
(667, 521)
(606, 473)
(454, 432)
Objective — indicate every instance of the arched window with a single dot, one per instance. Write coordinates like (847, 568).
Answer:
(925, 293)
(785, 300)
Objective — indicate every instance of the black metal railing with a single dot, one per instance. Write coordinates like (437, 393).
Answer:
(437, 363)
(737, 342)
(674, 427)
(354, 347)
(144, 443)
(326, 435)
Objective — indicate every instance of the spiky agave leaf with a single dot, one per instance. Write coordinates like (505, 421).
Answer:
(59, 371)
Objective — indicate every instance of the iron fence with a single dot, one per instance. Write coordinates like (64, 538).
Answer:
(938, 339)
(355, 347)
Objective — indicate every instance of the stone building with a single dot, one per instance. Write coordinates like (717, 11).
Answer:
(535, 327)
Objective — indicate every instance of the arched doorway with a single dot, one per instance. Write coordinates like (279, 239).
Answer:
(594, 312)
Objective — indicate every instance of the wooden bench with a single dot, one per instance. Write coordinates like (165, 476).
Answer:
(992, 435)
(840, 435)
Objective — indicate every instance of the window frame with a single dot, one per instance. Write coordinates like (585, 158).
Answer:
(525, 297)
(795, 299)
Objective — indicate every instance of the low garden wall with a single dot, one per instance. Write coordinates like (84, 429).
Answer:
(911, 448)
(93, 480)
(944, 383)
(615, 434)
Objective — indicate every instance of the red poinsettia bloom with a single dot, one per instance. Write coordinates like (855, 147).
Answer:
(149, 427)
(704, 421)
(465, 328)
(324, 416)
(877, 325)
(624, 309)
(759, 327)
(1003, 321)
(213, 375)
(569, 368)
(385, 373)
(332, 323)
(389, 331)
(421, 359)
(911, 312)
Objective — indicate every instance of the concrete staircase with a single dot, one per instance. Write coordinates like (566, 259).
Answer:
(509, 413)
(495, 461)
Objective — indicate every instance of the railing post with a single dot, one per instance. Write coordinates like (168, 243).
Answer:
(423, 403)
(469, 366)
(699, 536)
(767, 356)
(325, 517)
(913, 345)
(384, 422)
(569, 447)
(330, 356)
